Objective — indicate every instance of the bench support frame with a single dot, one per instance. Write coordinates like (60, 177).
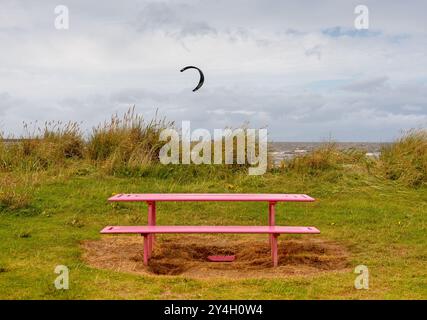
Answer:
(148, 249)
(271, 217)
(149, 239)
(151, 222)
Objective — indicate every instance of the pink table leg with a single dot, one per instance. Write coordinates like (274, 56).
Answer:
(151, 222)
(271, 216)
(146, 248)
(274, 253)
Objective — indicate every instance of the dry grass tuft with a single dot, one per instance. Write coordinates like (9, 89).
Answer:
(326, 157)
(15, 192)
(406, 159)
(127, 142)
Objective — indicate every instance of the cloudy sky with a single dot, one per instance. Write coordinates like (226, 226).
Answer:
(299, 68)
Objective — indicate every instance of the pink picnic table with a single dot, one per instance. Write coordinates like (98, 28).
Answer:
(152, 198)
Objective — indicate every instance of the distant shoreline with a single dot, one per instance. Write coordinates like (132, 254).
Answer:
(368, 146)
(287, 150)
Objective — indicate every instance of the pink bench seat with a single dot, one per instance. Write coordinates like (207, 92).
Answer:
(274, 231)
(208, 229)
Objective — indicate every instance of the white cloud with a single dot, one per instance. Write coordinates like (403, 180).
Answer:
(270, 63)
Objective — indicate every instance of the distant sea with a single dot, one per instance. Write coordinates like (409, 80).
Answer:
(287, 150)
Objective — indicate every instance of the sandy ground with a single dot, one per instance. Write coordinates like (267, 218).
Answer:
(187, 255)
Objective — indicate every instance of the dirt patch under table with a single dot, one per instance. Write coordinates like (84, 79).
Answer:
(187, 255)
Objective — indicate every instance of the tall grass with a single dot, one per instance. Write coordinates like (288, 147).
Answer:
(406, 159)
(127, 142)
(129, 145)
(16, 192)
(41, 147)
(327, 157)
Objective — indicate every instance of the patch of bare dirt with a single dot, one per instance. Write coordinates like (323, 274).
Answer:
(187, 256)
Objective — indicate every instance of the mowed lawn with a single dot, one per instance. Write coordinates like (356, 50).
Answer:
(382, 224)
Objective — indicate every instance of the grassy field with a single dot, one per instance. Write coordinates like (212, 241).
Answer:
(376, 209)
(382, 224)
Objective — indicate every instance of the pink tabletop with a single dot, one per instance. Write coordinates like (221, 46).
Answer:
(271, 197)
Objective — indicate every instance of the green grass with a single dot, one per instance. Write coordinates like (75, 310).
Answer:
(55, 182)
(381, 222)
